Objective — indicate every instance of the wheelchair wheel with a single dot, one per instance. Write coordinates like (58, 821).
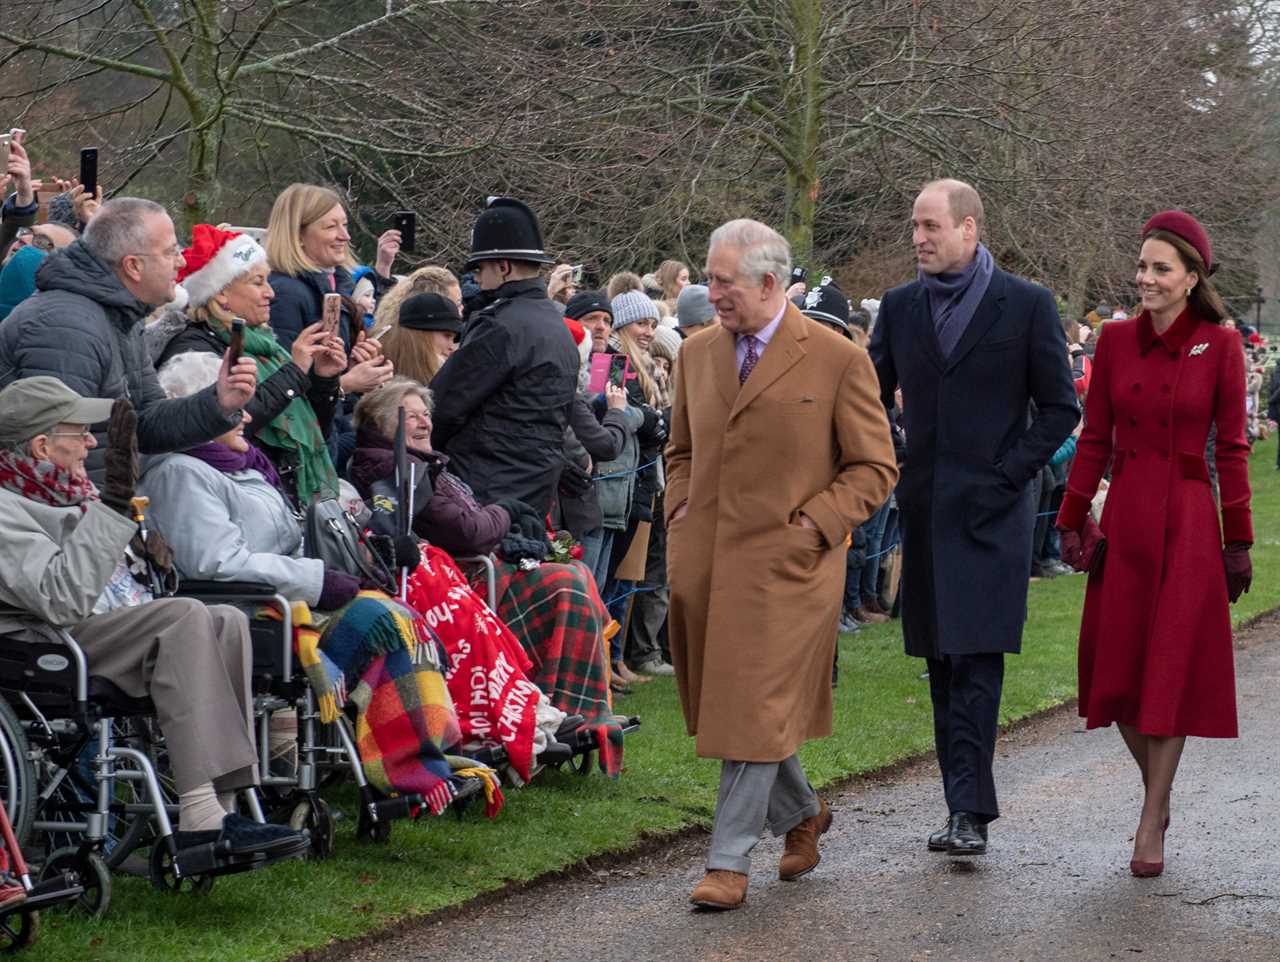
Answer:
(314, 815)
(90, 871)
(19, 930)
(582, 763)
(369, 831)
(17, 773)
(163, 878)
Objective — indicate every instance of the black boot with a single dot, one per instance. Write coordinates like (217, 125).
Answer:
(968, 836)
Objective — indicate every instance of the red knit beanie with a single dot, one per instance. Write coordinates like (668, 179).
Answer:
(1182, 224)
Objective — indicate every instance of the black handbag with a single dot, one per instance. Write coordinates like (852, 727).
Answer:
(331, 534)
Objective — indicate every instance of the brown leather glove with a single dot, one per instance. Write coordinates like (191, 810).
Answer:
(121, 458)
(1235, 558)
(155, 549)
(1085, 549)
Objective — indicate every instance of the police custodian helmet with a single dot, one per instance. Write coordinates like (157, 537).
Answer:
(507, 231)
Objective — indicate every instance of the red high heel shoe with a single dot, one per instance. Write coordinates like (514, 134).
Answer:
(1149, 869)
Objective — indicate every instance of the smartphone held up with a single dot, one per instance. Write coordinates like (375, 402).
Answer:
(331, 315)
(89, 170)
(236, 341)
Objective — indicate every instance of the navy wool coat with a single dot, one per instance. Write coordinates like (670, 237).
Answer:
(973, 448)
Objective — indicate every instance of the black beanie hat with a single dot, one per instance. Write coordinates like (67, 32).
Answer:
(430, 312)
(587, 302)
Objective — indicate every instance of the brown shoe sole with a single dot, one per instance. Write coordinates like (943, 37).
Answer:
(717, 906)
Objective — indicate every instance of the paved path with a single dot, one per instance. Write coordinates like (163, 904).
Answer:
(1055, 885)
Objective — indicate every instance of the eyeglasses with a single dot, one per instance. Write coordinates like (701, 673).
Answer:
(173, 253)
(82, 434)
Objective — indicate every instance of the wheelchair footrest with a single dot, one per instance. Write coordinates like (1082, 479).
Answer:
(215, 858)
(50, 892)
(402, 806)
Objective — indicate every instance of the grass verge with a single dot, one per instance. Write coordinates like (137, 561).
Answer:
(882, 715)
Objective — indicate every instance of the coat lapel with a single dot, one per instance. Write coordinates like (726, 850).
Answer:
(782, 353)
(988, 312)
(724, 366)
(924, 324)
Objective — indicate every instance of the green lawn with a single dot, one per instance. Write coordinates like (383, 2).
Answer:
(882, 715)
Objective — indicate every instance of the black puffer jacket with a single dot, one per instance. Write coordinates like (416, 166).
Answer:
(504, 398)
(83, 327)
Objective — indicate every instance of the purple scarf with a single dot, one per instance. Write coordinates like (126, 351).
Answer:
(954, 298)
(222, 458)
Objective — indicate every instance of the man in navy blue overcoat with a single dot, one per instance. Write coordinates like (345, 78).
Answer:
(971, 348)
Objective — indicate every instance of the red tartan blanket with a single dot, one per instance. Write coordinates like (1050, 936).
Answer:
(559, 618)
(488, 671)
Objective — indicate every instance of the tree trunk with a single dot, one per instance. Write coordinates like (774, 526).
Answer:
(802, 106)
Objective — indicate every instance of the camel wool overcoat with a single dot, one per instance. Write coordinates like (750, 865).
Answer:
(756, 596)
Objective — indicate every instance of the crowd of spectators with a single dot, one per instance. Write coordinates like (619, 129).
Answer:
(530, 408)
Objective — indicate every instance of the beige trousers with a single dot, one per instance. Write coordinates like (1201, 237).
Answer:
(195, 663)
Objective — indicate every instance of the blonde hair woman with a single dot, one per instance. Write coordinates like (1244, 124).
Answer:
(425, 280)
(672, 277)
(308, 248)
(427, 334)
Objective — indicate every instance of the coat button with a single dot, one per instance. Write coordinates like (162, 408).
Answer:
(1165, 389)
(1137, 388)
(289, 393)
(1164, 422)
(1133, 453)
(1164, 455)
(1133, 422)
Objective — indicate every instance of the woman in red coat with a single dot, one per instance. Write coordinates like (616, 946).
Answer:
(1155, 639)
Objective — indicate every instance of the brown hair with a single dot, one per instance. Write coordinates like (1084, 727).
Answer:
(1204, 299)
(668, 273)
(411, 353)
(962, 198)
(622, 282)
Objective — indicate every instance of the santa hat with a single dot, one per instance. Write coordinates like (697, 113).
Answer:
(581, 339)
(215, 259)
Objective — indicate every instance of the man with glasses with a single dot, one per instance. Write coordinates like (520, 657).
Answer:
(84, 327)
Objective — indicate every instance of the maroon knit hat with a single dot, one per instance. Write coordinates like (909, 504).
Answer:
(1182, 224)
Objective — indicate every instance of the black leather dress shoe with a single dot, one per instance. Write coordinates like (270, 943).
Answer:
(940, 840)
(968, 837)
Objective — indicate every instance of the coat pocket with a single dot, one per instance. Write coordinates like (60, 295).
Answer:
(1000, 343)
(1193, 466)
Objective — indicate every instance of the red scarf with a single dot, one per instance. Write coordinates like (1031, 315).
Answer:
(44, 481)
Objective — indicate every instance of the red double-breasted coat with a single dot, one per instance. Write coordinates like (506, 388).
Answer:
(1155, 638)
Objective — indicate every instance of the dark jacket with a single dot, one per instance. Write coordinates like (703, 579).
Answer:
(84, 328)
(965, 491)
(1273, 399)
(12, 217)
(299, 302)
(504, 398)
(452, 519)
(587, 442)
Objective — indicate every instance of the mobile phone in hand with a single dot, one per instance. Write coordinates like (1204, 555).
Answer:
(577, 273)
(5, 141)
(236, 342)
(89, 170)
(407, 224)
(376, 335)
(799, 275)
(331, 316)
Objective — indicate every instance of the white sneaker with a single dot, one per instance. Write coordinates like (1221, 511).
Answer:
(656, 667)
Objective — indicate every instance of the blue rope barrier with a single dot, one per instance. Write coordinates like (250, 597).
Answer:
(619, 474)
(627, 594)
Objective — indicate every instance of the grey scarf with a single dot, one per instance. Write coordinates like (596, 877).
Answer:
(954, 298)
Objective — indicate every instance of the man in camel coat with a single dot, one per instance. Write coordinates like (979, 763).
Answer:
(779, 447)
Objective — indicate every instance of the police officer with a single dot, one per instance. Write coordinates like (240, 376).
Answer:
(827, 304)
(503, 400)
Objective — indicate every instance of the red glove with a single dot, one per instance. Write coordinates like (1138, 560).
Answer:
(1085, 549)
(1235, 557)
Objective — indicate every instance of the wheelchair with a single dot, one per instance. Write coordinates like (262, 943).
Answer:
(78, 775)
(326, 753)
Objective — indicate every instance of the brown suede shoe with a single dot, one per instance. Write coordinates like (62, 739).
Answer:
(800, 856)
(720, 889)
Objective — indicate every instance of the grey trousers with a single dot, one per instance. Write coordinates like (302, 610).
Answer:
(753, 795)
(195, 663)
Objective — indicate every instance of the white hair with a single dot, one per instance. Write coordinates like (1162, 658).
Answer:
(189, 373)
(119, 228)
(763, 249)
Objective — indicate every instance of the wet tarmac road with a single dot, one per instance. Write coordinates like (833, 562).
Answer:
(1054, 886)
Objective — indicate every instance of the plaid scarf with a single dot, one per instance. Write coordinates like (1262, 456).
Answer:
(559, 618)
(404, 715)
(296, 428)
(44, 481)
